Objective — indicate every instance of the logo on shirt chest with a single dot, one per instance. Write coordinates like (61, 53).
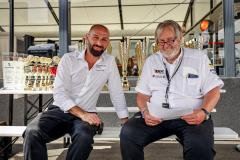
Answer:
(211, 66)
(159, 71)
(101, 67)
(158, 76)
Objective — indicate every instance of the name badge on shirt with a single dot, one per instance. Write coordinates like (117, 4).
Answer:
(101, 67)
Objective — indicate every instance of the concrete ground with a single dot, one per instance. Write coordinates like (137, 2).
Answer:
(109, 149)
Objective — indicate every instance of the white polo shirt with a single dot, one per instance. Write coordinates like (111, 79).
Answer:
(75, 84)
(184, 92)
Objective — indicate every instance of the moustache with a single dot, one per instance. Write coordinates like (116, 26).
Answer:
(168, 48)
(97, 46)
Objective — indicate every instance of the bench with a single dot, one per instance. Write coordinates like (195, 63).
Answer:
(108, 132)
(113, 132)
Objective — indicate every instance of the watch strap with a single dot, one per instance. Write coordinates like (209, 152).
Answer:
(207, 113)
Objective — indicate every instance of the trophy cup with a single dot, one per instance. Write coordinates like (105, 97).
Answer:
(191, 45)
(32, 70)
(142, 53)
(43, 73)
(25, 69)
(28, 70)
(139, 60)
(28, 83)
(47, 81)
(36, 72)
(82, 44)
(155, 48)
(200, 43)
(108, 50)
(183, 44)
(53, 69)
(124, 48)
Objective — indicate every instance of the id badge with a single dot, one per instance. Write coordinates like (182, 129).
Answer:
(165, 105)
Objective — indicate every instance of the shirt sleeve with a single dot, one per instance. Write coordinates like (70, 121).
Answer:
(143, 84)
(116, 92)
(62, 82)
(210, 79)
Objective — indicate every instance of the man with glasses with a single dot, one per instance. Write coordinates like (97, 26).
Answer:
(80, 78)
(174, 78)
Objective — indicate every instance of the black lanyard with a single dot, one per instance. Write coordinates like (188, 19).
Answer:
(166, 105)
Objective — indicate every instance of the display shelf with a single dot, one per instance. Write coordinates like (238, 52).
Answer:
(21, 91)
(132, 90)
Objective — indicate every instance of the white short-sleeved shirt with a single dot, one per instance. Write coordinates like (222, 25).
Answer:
(76, 85)
(184, 92)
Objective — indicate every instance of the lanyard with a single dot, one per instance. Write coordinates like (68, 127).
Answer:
(167, 74)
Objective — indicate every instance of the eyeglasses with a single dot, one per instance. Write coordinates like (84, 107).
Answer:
(168, 42)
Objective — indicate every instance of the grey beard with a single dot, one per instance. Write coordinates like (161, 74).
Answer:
(171, 56)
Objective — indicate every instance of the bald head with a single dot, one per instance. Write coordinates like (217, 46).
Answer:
(98, 39)
(99, 27)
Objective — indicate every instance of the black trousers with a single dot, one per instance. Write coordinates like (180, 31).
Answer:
(198, 141)
(53, 124)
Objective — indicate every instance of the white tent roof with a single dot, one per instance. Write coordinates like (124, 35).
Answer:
(34, 18)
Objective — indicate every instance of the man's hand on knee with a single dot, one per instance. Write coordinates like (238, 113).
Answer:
(150, 120)
(91, 118)
(196, 117)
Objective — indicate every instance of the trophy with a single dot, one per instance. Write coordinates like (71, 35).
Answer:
(49, 82)
(32, 70)
(142, 52)
(46, 69)
(82, 44)
(29, 71)
(43, 73)
(138, 55)
(28, 83)
(25, 69)
(36, 72)
(53, 69)
(199, 44)
(124, 48)
(155, 48)
(191, 44)
(108, 50)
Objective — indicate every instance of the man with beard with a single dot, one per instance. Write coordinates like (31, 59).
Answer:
(174, 78)
(80, 78)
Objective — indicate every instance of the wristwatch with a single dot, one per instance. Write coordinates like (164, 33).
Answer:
(207, 113)
(143, 112)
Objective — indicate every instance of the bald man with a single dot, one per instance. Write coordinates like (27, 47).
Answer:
(80, 78)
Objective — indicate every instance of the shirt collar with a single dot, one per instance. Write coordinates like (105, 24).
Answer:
(176, 61)
(82, 55)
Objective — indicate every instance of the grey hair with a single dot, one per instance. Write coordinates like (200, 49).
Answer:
(100, 26)
(174, 26)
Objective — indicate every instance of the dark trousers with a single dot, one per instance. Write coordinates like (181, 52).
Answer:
(53, 124)
(198, 141)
